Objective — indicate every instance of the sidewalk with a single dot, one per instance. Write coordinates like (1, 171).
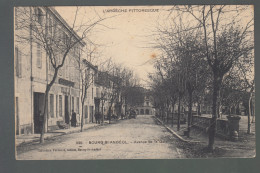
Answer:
(198, 140)
(26, 139)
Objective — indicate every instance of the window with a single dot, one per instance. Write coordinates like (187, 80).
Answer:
(62, 70)
(65, 38)
(39, 15)
(50, 64)
(18, 62)
(77, 105)
(17, 115)
(75, 50)
(86, 111)
(87, 74)
(54, 28)
(72, 103)
(50, 26)
(52, 105)
(67, 67)
(60, 105)
(39, 56)
(57, 106)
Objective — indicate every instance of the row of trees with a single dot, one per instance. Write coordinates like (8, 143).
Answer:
(122, 81)
(209, 55)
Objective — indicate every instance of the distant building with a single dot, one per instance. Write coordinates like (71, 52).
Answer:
(106, 95)
(147, 107)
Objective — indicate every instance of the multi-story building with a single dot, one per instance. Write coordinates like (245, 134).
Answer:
(33, 69)
(90, 74)
(107, 95)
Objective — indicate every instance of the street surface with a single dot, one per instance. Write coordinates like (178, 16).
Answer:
(139, 138)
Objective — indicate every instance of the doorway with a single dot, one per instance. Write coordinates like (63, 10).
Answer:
(38, 107)
(91, 114)
(66, 110)
(86, 113)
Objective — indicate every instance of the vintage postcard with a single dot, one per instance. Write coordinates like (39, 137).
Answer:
(134, 82)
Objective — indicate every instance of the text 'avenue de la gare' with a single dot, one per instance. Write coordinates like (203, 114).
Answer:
(121, 142)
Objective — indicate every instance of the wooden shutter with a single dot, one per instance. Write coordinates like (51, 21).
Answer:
(39, 56)
(18, 62)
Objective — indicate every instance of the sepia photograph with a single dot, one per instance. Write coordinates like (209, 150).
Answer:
(134, 82)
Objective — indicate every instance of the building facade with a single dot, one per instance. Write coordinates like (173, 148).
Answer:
(33, 70)
(147, 107)
(107, 95)
(90, 74)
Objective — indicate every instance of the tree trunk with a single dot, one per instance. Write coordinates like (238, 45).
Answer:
(189, 113)
(167, 114)
(199, 112)
(82, 111)
(160, 109)
(212, 127)
(109, 113)
(45, 113)
(249, 114)
(179, 114)
(172, 112)
(102, 112)
(253, 112)
(218, 106)
(220, 110)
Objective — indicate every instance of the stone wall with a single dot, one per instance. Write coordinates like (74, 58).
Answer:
(225, 128)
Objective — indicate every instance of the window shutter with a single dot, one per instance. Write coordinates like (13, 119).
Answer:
(16, 62)
(50, 64)
(60, 105)
(52, 105)
(50, 26)
(20, 63)
(57, 106)
(39, 15)
(39, 56)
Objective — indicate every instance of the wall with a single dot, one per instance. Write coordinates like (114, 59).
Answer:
(22, 86)
(222, 129)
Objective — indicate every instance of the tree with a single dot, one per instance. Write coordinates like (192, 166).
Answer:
(192, 63)
(87, 72)
(47, 30)
(118, 81)
(246, 69)
(184, 65)
(226, 41)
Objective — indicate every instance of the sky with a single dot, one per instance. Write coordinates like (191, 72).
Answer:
(126, 34)
(126, 37)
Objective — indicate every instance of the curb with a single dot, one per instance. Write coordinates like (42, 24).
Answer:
(56, 135)
(175, 134)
